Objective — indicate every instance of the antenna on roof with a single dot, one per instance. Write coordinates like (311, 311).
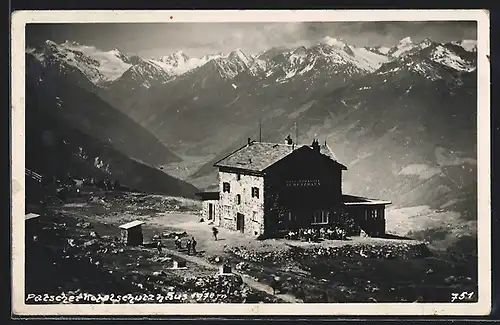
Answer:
(260, 130)
(296, 133)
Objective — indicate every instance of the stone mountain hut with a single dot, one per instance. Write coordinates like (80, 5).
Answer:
(271, 188)
(131, 233)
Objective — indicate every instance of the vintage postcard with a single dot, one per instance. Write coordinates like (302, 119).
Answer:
(251, 163)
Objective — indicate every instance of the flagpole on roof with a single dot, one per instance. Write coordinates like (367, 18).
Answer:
(296, 133)
(260, 130)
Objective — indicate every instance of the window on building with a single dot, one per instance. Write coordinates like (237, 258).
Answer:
(226, 187)
(238, 176)
(254, 216)
(255, 192)
(320, 217)
(226, 212)
(238, 199)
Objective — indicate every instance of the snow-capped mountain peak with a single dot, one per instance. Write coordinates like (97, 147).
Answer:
(382, 50)
(468, 45)
(52, 43)
(446, 56)
(236, 62)
(175, 59)
(338, 43)
(334, 42)
(405, 41)
(431, 60)
(99, 66)
(180, 54)
(178, 63)
(238, 54)
(301, 50)
(116, 51)
(407, 46)
(425, 43)
(70, 43)
(330, 58)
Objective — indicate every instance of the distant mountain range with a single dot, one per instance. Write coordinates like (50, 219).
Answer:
(107, 67)
(402, 118)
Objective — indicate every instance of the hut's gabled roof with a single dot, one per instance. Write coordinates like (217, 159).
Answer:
(258, 156)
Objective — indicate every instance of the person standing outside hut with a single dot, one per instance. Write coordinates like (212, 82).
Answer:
(276, 284)
(178, 243)
(159, 246)
(215, 232)
(193, 245)
(188, 245)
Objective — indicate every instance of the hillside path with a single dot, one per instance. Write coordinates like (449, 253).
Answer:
(249, 281)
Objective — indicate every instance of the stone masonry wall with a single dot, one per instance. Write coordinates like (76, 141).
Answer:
(215, 211)
(251, 208)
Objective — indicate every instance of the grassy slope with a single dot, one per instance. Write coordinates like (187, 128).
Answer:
(66, 94)
(53, 148)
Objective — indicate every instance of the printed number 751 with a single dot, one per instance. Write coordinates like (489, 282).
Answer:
(461, 296)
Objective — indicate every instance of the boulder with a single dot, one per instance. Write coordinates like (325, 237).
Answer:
(89, 243)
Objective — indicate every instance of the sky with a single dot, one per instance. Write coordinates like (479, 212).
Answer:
(198, 39)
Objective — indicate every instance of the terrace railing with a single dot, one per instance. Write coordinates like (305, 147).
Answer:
(35, 176)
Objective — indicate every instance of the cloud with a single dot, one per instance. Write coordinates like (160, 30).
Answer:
(197, 39)
(200, 39)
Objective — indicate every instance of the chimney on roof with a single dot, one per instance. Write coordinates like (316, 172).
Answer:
(249, 141)
(315, 145)
(288, 140)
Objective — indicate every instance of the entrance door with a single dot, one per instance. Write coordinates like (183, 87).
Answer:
(210, 211)
(240, 222)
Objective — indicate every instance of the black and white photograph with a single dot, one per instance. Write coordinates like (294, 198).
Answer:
(251, 162)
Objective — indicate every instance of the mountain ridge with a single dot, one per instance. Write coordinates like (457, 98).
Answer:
(105, 67)
(62, 89)
(58, 146)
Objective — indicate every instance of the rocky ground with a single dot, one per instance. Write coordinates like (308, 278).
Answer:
(75, 250)
(71, 256)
